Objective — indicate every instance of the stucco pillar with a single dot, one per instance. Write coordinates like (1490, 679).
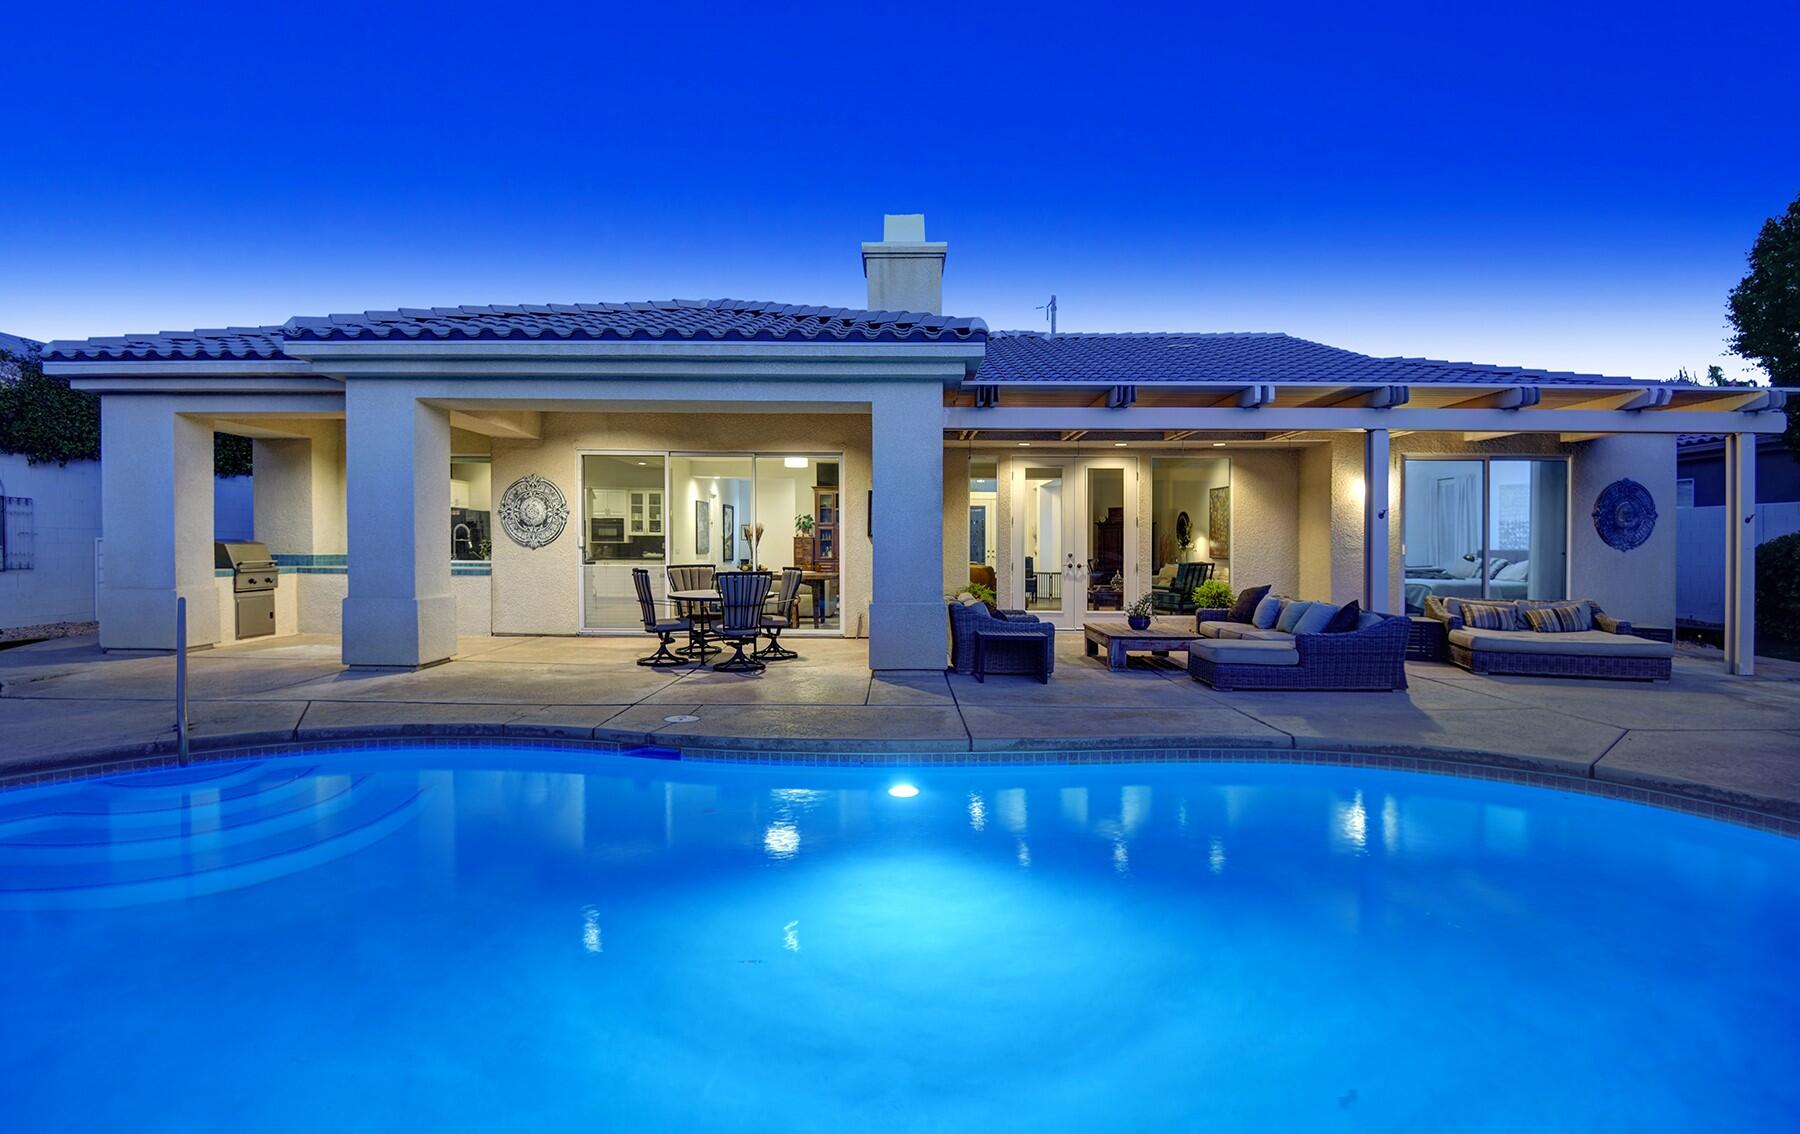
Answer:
(1740, 553)
(1375, 520)
(906, 609)
(156, 509)
(299, 490)
(399, 610)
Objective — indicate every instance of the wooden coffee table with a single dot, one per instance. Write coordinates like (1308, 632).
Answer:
(1116, 637)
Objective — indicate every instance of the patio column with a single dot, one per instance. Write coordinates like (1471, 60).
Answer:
(1740, 553)
(399, 610)
(1375, 519)
(156, 509)
(906, 610)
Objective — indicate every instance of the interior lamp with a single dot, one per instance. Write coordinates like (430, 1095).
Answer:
(793, 462)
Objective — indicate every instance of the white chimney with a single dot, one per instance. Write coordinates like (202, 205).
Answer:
(905, 271)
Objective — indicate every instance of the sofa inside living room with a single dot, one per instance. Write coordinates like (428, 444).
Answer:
(1541, 637)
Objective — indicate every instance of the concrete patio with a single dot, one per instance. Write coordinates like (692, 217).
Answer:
(1703, 735)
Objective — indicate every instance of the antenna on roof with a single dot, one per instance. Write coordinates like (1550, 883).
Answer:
(1049, 310)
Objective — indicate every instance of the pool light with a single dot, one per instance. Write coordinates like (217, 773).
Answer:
(903, 791)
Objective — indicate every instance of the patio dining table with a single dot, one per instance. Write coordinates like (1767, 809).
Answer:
(699, 607)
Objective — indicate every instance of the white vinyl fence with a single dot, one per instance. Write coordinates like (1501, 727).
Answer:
(1700, 556)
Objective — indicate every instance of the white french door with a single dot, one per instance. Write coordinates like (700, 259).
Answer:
(1074, 538)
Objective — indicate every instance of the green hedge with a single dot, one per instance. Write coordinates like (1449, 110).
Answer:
(1778, 589)
(43, 419)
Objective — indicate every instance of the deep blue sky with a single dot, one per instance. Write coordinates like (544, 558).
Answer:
(1556, 186)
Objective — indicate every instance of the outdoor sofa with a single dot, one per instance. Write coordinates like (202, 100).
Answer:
(1031, 648)
(1238, 655)
(1604, 646)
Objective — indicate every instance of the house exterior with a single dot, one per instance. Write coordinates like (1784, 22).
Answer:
(422, 473)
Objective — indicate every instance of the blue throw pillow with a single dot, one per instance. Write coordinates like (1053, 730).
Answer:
(1291, 611)
(1317, 617)
(1266, 611)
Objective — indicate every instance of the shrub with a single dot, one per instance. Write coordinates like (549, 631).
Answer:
(42, 418)
(1214, 594)
(1778, 589)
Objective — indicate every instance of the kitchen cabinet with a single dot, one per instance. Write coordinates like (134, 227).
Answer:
(644, 512)
(607, 502)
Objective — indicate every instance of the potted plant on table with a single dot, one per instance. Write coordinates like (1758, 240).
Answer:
(1137, 615)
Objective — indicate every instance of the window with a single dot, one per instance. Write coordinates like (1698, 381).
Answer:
(16, 535)
(471, 506)
(1485, 528)
(1684, 492)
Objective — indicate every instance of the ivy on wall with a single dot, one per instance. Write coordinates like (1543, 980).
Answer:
(44, 420)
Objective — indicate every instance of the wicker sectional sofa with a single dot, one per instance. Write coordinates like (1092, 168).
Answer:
(1234, 655)
(1608, 650)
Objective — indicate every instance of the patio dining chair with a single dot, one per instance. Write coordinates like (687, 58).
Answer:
(695, 577)
(741, 596)
(665, 629)
(782, 614)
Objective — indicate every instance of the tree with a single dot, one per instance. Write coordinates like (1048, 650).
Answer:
(41, 417)
(1764, 308)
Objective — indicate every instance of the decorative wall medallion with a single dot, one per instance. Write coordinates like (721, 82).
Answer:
(533, 511)
(1625, 514)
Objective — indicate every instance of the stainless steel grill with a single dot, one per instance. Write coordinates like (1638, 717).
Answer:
(254, 578)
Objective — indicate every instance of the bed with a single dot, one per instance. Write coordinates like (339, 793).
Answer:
(1510, 578)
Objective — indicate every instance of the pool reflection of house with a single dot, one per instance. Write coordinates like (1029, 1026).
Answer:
(883, 450)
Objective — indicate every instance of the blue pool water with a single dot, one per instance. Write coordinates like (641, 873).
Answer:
(522, 939)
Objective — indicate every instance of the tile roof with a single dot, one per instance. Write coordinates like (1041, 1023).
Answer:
(18, 344)
(217, 343)
(1228, 358)
(716, 320)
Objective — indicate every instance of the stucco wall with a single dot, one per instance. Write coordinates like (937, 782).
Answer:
(1639, 584)
(956, 520)
(1265, 528)
(539, 591)
(65, 505)
(299, 489)
(1314, 541)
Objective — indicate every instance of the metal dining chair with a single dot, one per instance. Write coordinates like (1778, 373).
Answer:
(665, 629)
(741, 597)
(783, 613)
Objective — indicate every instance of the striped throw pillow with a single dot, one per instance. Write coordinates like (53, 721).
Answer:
(1489, 616)
(1563, 618)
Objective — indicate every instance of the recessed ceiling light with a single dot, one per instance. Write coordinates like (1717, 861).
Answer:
(1120, 444)
(794, 462)
(1024, 444)
(1218, 444)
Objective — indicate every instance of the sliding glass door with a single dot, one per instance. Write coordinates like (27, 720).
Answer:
(1484, 527)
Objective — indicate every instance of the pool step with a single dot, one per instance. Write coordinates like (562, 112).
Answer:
(182, 836)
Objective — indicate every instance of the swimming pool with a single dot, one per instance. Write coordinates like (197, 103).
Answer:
(517, 938)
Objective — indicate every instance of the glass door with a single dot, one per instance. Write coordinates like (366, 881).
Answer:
(1076, 537)
(620, 528)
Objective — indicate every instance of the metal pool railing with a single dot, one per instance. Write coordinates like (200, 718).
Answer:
(181, 698)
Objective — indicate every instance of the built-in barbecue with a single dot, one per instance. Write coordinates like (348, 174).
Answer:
(253, 580)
